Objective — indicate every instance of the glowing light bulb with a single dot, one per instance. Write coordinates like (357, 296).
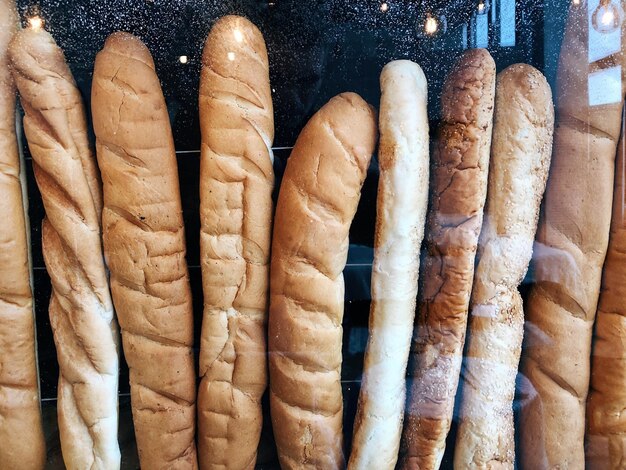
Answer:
(481, 7)
(238, 35)
(384, 7)
(607, 17)
(35, 22)
(231, 56)
(183, 59)
(431, 26)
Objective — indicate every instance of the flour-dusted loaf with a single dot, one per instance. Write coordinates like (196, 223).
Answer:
(236, 209)
(518, 170)
(81, 311)
(459, 187)
(571, 246)
(606, 428)
(318, 199)
(403, 157)
(22, 443)
(144, 243)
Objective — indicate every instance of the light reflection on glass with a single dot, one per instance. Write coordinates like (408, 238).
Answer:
(238, 36)
(183, 59)
(35, 22)
(606, 17)
(431, 26)
(384, 7)
(231, 56)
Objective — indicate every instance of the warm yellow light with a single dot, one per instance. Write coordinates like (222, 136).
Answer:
(35, 22)
(384, 7)
(575, 2)
(481, 7)
(231, 56)
(183, 59)
(431, 26)
(238, 36)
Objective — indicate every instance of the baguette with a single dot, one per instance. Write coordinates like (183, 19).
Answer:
(317, 202)
(571, 247)
(236, 183)
(459, 183)
(518, 170)
(144, 243)
(606, 428)
(81, 311)
(22, 443)
(401, 211)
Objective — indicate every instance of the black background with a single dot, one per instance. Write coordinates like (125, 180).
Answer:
(316, 50)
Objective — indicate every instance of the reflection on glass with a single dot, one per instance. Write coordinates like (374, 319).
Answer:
(431, 26)
(183, 59)
(507, 23)
(482, 8)
(238, 35)
(384, 7)
(231, 56)
(606, 17)
(482, 31)
(605, 86)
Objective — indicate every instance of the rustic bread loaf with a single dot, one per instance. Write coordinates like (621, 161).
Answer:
(459, 182)
(518, 170)
(403, 157)
(318, 199)
(606, 428)
(22, 443)
(236, 209)
(144, 243)
(81, 311)
(571, 246)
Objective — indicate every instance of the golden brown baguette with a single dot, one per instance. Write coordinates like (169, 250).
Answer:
(236, 209)
(318, 199)
(81, 311)
(22, 443)
(571, 247)
(459, 182)
(403, 157)
(518, 169)
(144, 244)
(606, 427)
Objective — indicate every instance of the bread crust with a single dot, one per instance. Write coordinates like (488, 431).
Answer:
(403, 157)
(81, 311)
(570, 250)
(318, 199)
(518, 170)
(236, 209)
(144, 243)
(22, 443)
(459, 183)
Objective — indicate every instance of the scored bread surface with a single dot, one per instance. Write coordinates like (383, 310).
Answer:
(22, 443)
(459, 187)
(144, 243)
(81, 311)
(403, 157)
(571, 246)
(518, 169)
(318, 199)
(236, 209)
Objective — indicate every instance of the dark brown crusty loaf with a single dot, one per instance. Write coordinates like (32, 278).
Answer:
(22, 443)
(236, 209)
(518, 170)
(571, 247)
(459, 183)
(81, 311)
(403, 156)
(606, 428)
(318, 199)
(144, 243)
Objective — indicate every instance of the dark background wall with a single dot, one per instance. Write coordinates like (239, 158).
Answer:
(316, 50)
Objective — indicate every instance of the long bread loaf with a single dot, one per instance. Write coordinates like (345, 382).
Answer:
(144, 243)
(22, 442)
(518, 170)
(317, 202)
(236, 209)
(403, 156)
(571, 247)
(459, 183)
(81, 311)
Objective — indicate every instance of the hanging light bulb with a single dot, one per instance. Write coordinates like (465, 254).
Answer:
(607, 17)
(481, 7)
(431, 25)
(35, 22)
(384, 7)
